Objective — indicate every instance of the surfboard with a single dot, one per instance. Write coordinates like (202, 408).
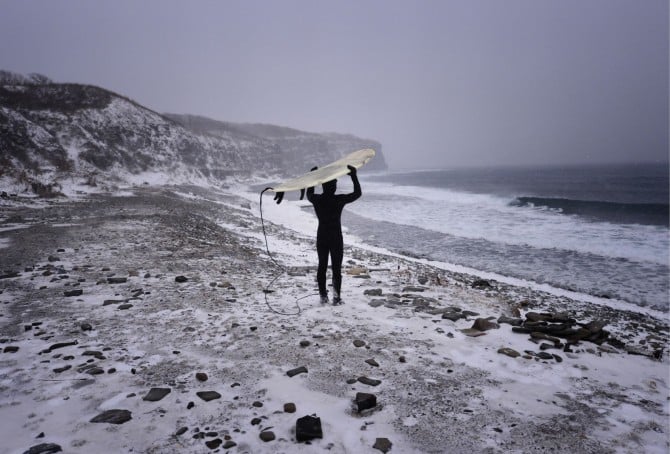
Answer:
(326, 173)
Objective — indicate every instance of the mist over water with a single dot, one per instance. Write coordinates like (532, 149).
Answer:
(614, 244)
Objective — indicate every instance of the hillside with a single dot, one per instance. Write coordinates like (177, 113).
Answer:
(54, 131)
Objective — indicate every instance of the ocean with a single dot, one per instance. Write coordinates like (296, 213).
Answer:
(597, 230)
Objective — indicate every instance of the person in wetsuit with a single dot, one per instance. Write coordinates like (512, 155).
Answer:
(328, 207)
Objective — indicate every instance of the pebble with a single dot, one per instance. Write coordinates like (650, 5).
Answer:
(289, 407)
(383, 444)
(208, 395)
(201, 376)
(44, 448)
(113, 416)
(372, 362)
(156, 394)
(267, 435)
(369, 381)
(359, 343)
(509, 352)
(296, 371)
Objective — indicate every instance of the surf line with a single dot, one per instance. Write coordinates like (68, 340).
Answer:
(310, 179)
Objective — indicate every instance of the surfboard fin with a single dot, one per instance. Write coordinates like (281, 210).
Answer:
(279, 197)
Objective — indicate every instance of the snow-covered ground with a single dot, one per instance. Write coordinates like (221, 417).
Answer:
(137, 324)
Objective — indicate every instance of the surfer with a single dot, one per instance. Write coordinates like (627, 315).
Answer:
(328, 207)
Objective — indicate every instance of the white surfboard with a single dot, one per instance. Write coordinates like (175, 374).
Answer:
(326, 173)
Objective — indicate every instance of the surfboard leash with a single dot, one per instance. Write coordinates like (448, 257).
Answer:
(281, 267)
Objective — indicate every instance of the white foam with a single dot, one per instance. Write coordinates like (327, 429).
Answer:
(480, 216)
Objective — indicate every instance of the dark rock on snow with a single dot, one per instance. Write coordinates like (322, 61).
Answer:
(307, 428)
(113, 417)
(156, 394)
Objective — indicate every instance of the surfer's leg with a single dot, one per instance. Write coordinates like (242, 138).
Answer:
(336, 257)
(322, 251)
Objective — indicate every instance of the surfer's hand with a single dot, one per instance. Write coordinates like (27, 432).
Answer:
(352, 170)
(313, 169)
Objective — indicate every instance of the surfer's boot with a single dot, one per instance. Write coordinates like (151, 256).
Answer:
(337, 300)
(324, 299)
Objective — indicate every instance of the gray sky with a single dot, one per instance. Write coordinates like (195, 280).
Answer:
(440, 83)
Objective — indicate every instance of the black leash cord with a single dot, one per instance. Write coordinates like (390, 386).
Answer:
(282, 268)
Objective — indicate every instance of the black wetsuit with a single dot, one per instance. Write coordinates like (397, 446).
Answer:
(328, 207)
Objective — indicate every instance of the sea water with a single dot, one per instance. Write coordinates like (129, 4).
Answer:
(598, 230)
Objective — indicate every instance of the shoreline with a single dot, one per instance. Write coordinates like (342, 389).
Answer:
(442, 385)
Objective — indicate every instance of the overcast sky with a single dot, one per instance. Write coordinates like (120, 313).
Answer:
(438, 83)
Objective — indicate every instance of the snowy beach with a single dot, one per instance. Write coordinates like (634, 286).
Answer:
(150, 320)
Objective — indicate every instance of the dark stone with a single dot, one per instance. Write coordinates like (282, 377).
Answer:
(305, 343)
(257, 404)
(95, 353)
(510, 320)
(44, 448)
(372, 362)
(296, 371)
(267, 435)
(156, 394)
(483, 324)
(307, 428)
(229, 444)
(117, 280)
(11, 349)
(289, 407)
(544, 355)
(213, 444)
(75, 292)
(383, 444)
(373, 292)
(95, 371)
(58, 370)
(181, 431)
(123, 307)
(481, 283)
(453, 316)
(10, 275)
(208, 395)
(201, 376)
(412, 288)
(365, 401)
(509, 352)
(58, 345)
(369, 381)
(358, 343)
(53, 258)
(558, 358)
(86, 327)
(113, 417)
(256, 421)
(180, 279)
(190, 405)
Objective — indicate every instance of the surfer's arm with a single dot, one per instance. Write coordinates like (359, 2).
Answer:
(357, 186)
(310, 190)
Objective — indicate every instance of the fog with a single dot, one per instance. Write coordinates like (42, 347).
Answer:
(438, 83)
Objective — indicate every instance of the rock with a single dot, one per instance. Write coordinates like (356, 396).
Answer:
(510, 320)
(481, 283)
(58, 370)
(213, 444)
(538, 317)
(86, 327)
(369, 381)
(229, 444)
(383, 444)
(372, 362)
(257, 404)
(483, 324)
(470, 313)
(156, 394)
(113, 417)
(123, 307)
(11, 349)
(453, 316)
(256, 421)
(359, 343)
(208, 395)
(307, 428)
(181, 431)
(296, 371)
(376, 303)
(94, 353)
(471, 332)
(95, 371)
(180, 279)
(544, 355)
(305, 343)
(53, 258)
(190, 405)
(373, 292)
(289, 407)
(117, 280)
(411, 288)
(543, 336)
(108, 302)
(509, 352)
(365, 401)
(75, 292)
(44, 448)
(268, 435)
(201, 376)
